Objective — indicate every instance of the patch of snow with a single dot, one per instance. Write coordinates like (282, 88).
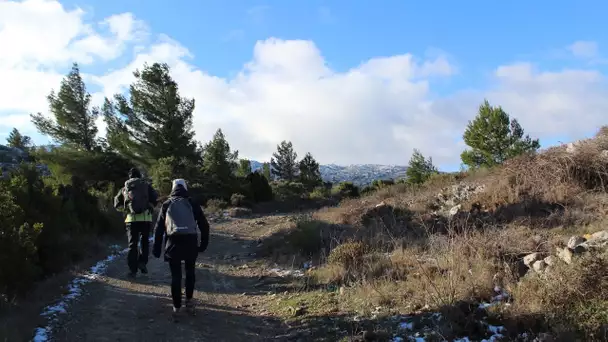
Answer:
(52, 312)
(285, 273)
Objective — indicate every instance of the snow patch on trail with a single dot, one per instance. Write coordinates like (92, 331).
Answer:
(52, 312)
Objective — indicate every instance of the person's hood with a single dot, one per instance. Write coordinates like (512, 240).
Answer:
(179, 191)
(134, 173)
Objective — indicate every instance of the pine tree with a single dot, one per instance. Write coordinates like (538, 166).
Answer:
(244, 168)
(266, 171)
(494, 138)
(155, 122)
(283, 163)
(74, 121)
(17, 140)
(310, 175)
(419, 169)
(219, 166)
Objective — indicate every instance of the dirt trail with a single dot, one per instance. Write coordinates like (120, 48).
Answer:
(228, 293)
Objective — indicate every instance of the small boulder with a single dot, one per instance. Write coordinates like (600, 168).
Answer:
(550, 260)
(539, 266)
(602, 234)
(565, 254)
(455, 210)
(575, 241)
(531, 258)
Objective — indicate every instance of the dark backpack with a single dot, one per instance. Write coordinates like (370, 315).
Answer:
(136, 195)
(179, 219)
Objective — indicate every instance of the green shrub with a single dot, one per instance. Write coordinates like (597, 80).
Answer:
(346, 190)
(45, 221)
(348, 254)
(215, 205)
(261, 191)
(238, 200)
(288, 190)
(319, 193)
(307, 237)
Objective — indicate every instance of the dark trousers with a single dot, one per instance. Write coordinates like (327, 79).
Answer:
(176, 280)
(136, 232)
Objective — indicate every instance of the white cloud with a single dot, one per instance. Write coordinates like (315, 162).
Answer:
(375, 112)
(584, 49)
(41, 39)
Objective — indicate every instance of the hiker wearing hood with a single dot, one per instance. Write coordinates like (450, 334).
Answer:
(138, 199)
(186, 231)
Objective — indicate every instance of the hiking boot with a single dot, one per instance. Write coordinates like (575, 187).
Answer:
(175, 314)
(143, 268)
(190, 307)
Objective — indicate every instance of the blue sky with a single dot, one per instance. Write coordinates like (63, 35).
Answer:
(476, 38)
(478, 34)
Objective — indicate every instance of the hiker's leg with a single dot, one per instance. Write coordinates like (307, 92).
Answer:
(144, 229)
(189, 266)
(133, 237)
(176, 282)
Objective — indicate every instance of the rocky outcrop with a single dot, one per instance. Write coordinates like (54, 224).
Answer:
(576, 246)
(449, 201)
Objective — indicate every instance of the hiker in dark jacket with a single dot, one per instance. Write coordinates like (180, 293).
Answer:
(183, 225)
(138, 199)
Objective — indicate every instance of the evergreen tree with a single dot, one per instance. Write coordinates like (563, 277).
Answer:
(494, 138)
(266, 171)
(419, 169)
(283, 162)
(219, 166)
(17, 140)
(244, 168)
(155, 122)
(74, 121)
(310, 175)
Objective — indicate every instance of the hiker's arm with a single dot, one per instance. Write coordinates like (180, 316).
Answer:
(152, 195)
(203, 226)
(119, 200)
(159, 232)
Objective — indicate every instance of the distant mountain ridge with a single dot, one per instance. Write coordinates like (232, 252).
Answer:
(359, 174)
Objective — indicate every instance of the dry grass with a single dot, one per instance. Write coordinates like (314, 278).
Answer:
(401, 255)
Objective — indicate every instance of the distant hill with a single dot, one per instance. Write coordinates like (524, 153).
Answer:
(359, 174)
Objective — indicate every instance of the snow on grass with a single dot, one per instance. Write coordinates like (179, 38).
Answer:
(406, 326)
(52, 312)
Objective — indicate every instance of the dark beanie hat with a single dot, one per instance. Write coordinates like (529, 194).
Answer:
(134, 173)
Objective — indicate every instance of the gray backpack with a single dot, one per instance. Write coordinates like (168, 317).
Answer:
(179, 219)
(136, 195)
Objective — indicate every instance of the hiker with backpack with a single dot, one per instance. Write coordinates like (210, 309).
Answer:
(138, 199)
(182, 223)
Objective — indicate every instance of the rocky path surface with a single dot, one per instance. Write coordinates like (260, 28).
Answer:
(230, 290)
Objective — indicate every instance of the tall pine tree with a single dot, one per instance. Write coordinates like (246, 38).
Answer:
(310, 175)
(155, 122)
(266, 171)
(73, 123)
(284, 162)
(244, 168)
(17, 140)
(419, 168)
(219, 166)
(494, 138)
